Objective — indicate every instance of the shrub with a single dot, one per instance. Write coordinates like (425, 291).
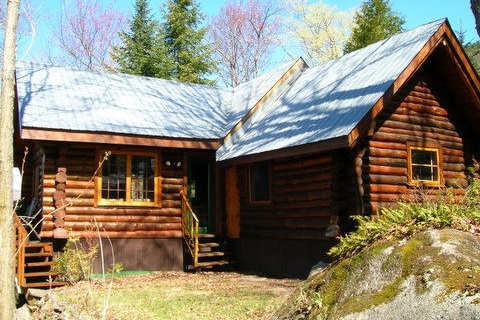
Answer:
(441, 211)
(75, 263)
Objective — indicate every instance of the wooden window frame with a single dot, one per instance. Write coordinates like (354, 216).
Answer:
(250, 183)
(430, 147)
(99, 201)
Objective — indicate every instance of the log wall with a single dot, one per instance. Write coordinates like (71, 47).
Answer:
(68, 179)
(422, 112)
(301, 200)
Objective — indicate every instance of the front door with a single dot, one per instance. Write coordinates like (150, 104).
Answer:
(201, 192)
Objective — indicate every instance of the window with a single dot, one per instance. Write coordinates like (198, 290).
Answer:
(259, 174)
(128, 179)
(424, 165)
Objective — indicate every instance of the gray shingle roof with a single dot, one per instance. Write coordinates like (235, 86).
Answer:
(329, 100)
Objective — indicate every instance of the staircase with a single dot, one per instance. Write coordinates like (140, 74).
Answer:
(34, 261)
(202, 251)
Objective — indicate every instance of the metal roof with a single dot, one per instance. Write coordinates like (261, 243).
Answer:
(322, 103)
(329, 100)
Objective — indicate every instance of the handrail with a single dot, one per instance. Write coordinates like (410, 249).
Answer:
(21, 243)
(190, 228)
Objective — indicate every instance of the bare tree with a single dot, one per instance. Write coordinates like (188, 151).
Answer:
(85, 33)
(7, 96)
(320, 31)
(244, 36)
(30, 13)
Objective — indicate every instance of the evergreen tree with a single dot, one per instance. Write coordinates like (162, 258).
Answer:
(142, 51)
(374, 22)
(184, 40)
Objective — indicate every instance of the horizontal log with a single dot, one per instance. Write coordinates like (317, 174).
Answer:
(386, 161)
(384, 179)
(452, 159)
(433, 110)
(387, 188)
(387, 145)
(173, 181)
(458, 167)
(385, 197)
(71, 183)
(281, 213)
(104, 210)
(418, 128)
(125, 218)
(436, 122)
(302, 179)
(171, 188)
(302, 163)
(285, 190)
(301, 234)
(71, 193)
(121, 226)
(454, 175)
(421, 101)
(124, 234)
(376, 169)
(171, 204)
(391, 137)
(288, 223)
(302, 196)
(381, 152)
(456, 183)
(419, 132)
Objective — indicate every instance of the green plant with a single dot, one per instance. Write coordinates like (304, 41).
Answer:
(115, 267)
(444, 209)
(75, 263)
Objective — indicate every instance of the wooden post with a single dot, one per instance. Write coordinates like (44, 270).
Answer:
(232, 203)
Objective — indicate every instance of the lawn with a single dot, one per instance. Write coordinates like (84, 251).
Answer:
(178, 295)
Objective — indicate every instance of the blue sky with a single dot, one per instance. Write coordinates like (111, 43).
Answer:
(415, 12)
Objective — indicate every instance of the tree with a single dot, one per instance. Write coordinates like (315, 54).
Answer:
(184, 40)
(475, 6)
(374, 22)
(7, 96)
(243, 37)
(321, 30)
(27, 21)
(142, 51)
(86, 32)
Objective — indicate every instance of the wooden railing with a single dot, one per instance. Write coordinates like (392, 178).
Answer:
(190, 229)
(21, 242)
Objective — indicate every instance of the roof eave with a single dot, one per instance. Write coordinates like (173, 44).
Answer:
(443, 36)
(118, 139)
(310, 148)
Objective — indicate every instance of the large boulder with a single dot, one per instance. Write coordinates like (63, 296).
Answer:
(433, 275)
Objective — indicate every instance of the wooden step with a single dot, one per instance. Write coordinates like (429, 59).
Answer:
(208, 264)
(40, 274)
(211, 254)
(46, 284)
(38, 264)
(37, 254)
(205, 235)
(39, 245)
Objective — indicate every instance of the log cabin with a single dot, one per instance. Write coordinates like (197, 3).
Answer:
(274, 167)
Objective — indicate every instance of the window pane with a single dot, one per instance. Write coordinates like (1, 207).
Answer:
(424, 157)
(143, 172)
(424, 173)
(260, 181)
(114, 178)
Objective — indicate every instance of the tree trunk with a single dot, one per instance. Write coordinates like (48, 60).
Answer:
(7, 261)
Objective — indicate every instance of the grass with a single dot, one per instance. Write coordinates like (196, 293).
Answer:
(178, 295)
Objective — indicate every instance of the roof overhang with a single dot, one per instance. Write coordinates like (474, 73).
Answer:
(443, 37)
(311, 148)
(119, 139)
